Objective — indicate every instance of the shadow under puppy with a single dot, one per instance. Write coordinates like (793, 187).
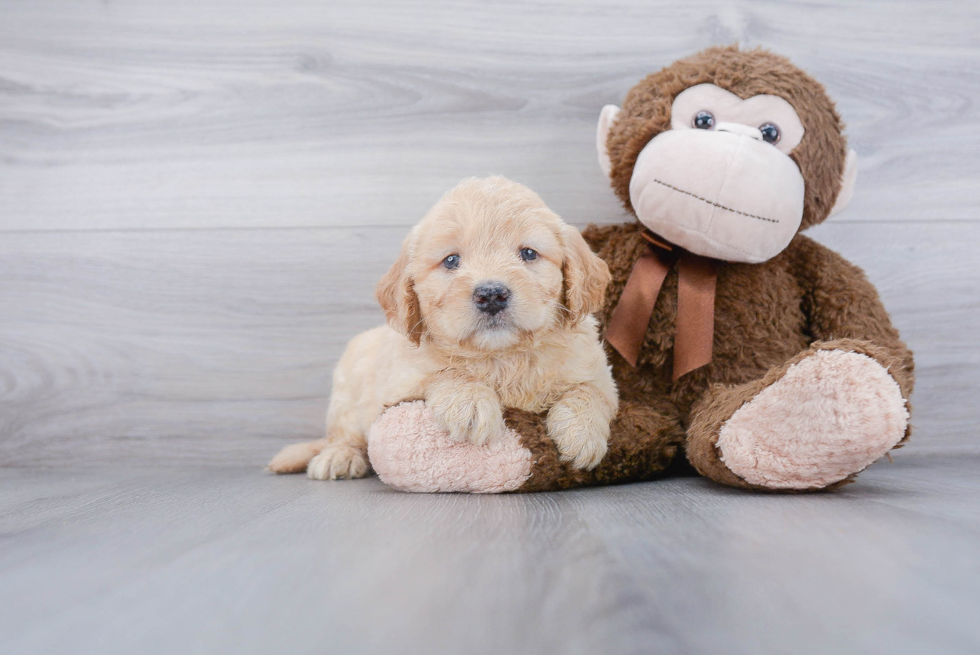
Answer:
(489, 305)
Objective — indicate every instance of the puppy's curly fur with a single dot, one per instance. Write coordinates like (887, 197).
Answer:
(540, 352)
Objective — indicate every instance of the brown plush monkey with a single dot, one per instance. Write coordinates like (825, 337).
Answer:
(764, 358)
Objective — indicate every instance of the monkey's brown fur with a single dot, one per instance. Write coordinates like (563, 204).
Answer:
(767, 316)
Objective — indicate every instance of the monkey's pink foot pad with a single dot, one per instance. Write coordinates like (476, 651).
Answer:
(830, 415)
(410, 453)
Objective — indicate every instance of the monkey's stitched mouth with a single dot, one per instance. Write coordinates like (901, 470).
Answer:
(712, 203)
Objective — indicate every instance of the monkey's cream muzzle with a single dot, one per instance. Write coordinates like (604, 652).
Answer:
(723, 193)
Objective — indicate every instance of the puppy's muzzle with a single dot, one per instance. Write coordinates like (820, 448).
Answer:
(491, 297)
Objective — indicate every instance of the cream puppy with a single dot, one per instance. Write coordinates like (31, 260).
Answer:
(488, 306)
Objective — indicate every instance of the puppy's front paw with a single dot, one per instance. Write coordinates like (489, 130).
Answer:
(337, 461)
(469, 415)
(582, 439)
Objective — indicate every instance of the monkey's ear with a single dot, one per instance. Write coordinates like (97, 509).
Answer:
(847, 183)
(396, 295)
(585, 275)
(606, 118)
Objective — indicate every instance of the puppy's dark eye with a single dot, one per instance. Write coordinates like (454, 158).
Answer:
(704, 120)
(770, 133)
(528, 254)
(451, 262)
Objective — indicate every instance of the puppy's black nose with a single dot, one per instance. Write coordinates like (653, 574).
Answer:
(491, 297)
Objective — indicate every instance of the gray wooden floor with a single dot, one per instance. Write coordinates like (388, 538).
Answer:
(196, 199)
(225, 559)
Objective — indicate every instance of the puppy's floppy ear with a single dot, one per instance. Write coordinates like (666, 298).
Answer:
(586, 276)
(396, 295)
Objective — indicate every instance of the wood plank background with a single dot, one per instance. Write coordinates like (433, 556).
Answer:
(197, 197)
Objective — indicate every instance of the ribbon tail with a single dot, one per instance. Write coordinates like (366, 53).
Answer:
(697, 279)
(628, 323)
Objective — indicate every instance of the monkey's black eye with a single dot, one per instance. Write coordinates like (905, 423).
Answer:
(528, 255)
(704, 120)
(451, 262)
(770, 133)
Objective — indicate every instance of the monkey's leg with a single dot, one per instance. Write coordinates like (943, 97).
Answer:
(409, 452)
(810, 424)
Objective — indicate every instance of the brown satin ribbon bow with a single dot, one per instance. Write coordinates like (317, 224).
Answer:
(695, 326)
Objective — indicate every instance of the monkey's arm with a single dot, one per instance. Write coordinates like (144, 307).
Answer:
(845, 312)
(409, 451)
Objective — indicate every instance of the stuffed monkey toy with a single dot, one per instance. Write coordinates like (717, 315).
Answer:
(765, 359)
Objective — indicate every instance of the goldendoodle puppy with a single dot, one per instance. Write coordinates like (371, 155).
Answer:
(488, 305)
